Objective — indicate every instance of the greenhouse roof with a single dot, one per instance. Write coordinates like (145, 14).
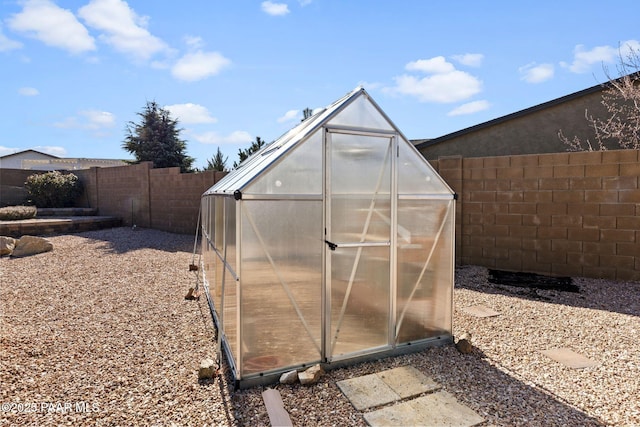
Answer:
(239, 178)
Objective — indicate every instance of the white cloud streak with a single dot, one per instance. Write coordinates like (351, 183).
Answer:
(191, 113)
(274, 9)
(6, 44)
(470, 59)
(470, 108)
(536, 73)
(199, 65)
(28, 91)
(54, 26)
(584, 59)
(237, 137)
(289, 116)
(93, 120)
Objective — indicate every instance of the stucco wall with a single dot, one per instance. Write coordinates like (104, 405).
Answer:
(532, 133)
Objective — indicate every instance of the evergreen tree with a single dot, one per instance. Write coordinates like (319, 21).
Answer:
(217, 162)
(244, 154)
(157, 139)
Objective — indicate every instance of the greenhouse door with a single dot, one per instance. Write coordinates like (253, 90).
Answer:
(358, 236)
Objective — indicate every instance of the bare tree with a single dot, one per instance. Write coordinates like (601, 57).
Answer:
(621, 100)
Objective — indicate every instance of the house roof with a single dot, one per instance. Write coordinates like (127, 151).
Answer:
(424, 143)
(6, 156)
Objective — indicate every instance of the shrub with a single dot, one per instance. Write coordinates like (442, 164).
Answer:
(13, 213)
(53, 189)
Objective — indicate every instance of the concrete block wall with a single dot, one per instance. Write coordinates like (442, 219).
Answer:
(175, 198)
(574, 214)
(12, 191)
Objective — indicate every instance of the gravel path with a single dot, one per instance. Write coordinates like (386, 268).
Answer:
(97, 332)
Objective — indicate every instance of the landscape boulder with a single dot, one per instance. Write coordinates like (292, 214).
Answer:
(464, 343)
(31, 245)
(290, 377)
(7, 244)
(311, 375)
(207, 369)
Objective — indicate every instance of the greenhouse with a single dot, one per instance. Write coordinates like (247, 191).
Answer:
(332, 244)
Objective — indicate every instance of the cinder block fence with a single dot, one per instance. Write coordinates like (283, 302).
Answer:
(575, 214)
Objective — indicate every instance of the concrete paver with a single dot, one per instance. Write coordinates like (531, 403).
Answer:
(407, 381)
(569, 358)
(480, 311)
(367, 391)
(436, 409)
(394, 385)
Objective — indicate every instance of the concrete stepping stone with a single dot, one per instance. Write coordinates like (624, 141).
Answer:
(369, 391)
(569, 358)
(437, 409)
(480, 311)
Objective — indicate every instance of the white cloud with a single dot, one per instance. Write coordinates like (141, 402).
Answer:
(536, 73)
(583, 59)
(53, 150)
(237, 137)
(436, 65)
(28, 91)
(4, 151)
(7, 44)
(123, 29)
(191, 113)
(194, 42)
(443, 84)
(52, 25)
(274, 9)
(289, 115)
(470, 108)
(88, 120)
(98, 119)
(199, 65)
(470, 59)
(370, 85)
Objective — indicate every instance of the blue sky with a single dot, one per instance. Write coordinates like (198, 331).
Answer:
(74, 73)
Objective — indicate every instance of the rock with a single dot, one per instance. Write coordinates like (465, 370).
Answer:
(464, 343)
(289, 377)
(311, 375)
(7, 244)
(207, 369)
(31, 245)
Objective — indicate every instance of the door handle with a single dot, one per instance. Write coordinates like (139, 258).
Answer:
(332, 245)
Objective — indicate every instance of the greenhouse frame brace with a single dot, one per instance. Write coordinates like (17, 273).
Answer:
(332, 244)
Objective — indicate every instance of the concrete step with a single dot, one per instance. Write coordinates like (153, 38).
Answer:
(47, 212)
(57, 225)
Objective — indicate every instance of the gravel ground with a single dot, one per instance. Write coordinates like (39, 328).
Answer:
(97, 332)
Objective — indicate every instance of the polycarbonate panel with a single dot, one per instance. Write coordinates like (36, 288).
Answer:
(218, 218)
(230, 316)
(425, 269)
(360, 295)
(361, 113)
(360, 164)
(415, 175)
(230, 231)
(282, 249)
(298, 172)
